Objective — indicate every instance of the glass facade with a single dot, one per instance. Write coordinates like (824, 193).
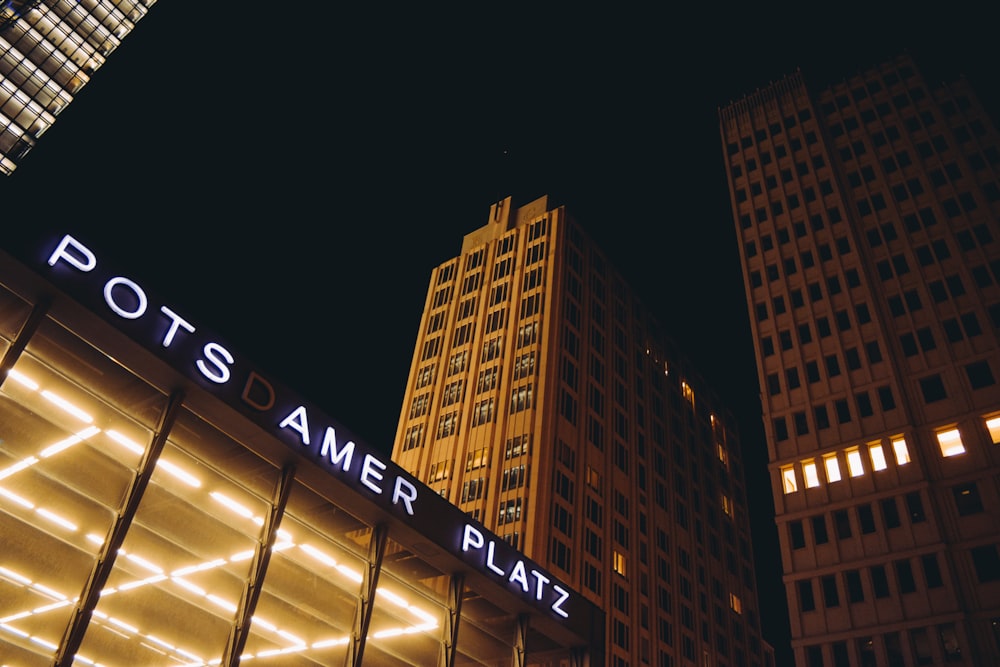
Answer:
(146, 522)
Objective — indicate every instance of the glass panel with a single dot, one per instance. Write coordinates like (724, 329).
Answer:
(306, 609)
(408, 616)
(13, 313)
(67, 459)
(485, 632)
(173, 593)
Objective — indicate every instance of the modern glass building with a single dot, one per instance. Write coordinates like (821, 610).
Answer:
(165, 502)
(868, 220)
(547, 402)
(48, 52)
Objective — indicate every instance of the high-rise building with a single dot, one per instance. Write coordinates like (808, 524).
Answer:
(48, 52)
(546, 402)
(867, 218)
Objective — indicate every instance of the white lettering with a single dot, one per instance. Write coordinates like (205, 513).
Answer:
(176, 321)
(557, 605)
(140, 297)
(298, 422)
(84, 260)
(397, 494)
(490, 548)
(540, 580)
(472, 538)
(518, 575)
(337, 455)
(219, 357)
(368, 472)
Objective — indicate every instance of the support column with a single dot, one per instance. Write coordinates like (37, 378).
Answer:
(449, 639)
(519, 658)
(105, 563)
(363, 610)
(579, 657)
(261, 558)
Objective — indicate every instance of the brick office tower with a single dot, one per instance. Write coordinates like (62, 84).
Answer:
(867, 219)
(547, 403)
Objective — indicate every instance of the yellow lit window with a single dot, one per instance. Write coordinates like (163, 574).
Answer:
(994, 428)
(810, 474)
(593, 479)
(727, 506)
(735, 603)
(877, 456)
(788, 479)
(832, 465)
(854, 466)
(901, 451)
(721, 452)
(687, 392)
(950, 442)
(618, 563)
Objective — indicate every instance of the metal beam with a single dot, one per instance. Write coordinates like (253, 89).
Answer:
(105, 562)
(261, 558)
(28, 329)
(449, 638)
(519, 657)
(363, 610)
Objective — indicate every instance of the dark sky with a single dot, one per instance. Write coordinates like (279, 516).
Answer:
(290, 176)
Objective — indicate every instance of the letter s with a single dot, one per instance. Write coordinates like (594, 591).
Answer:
(219, 358)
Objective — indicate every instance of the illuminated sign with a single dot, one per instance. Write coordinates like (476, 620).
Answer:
(206, 359)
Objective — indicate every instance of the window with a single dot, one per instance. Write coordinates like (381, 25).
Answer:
(986, 562)
(890, 512)
(980, 375)
(915, 507)
(950, 442)
(877, 456)
(842, 524)
(900, 450)
(967, 499)
(831, 597)
(806, 600)
(820, 536)
(788, 479)
(832, 465)
(866, 519)
(932, 388)
(880, 582)
(809, 473)
(618, 563)
(855, 591)
(796, 535)
(854, 465)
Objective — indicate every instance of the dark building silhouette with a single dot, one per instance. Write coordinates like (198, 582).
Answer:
(546, 402)
(867, 219)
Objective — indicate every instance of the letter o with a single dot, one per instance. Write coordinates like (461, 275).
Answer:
(113, 305)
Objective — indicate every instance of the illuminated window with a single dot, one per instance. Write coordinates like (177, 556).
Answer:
(854, 466)
(593, 479)
(810, 474)
(788, 479)
(687, 392)
(994, 428)
(832, 465)
(727, 505)
(877, 456)
(722, 452)
(618, 563)
(901, 451)
(950, 442)
(735, 603)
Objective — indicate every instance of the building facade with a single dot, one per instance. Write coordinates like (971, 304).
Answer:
(48, 52)
(867, 220)
(544, 401)
(163, 501)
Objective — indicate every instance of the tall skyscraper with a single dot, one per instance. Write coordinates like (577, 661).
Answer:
(867, 218)
(48, 52)
(548, 404)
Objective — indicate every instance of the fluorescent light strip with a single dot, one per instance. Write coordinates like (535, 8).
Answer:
(22, 380)
(66, 406)
(66, 443)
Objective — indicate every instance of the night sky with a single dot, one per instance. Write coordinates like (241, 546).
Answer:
(289, 176)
